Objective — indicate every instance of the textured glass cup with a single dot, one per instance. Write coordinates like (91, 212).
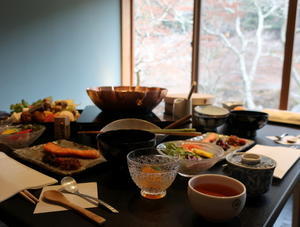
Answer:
(151, 172)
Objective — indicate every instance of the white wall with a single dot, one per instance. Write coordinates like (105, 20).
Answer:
(57, 48)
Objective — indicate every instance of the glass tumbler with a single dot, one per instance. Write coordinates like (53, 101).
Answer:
(152, 172)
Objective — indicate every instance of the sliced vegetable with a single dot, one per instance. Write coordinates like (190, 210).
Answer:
(203, 153)
(10, 131)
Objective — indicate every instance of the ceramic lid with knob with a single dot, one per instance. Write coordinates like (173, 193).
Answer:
(251, 161)
(211, 110)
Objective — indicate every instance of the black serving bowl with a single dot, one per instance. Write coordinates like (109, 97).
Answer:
(116, 144)
(245, 123)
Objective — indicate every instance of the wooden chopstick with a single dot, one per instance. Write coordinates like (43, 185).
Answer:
(30, 197)
(179, 122)
(176, 132)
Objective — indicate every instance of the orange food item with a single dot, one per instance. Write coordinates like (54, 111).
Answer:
(210, 138)
(149, 169)
(49, 116)
(65, 151)
(190, 147)
(239, 108)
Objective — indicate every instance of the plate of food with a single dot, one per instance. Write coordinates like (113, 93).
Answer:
(229, 143)
(61, 156)
(43, 110)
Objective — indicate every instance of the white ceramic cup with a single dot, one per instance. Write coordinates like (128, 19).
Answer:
(216, 208)
(181, 107)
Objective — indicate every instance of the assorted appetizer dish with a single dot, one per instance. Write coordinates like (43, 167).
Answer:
(228, 143)
(43, 110)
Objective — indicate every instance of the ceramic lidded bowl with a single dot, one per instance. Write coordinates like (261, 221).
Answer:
(216, 197)
(255, 171)
(208, 118)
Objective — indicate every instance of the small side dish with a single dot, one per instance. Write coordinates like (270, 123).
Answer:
(18, 136)
(194, 157)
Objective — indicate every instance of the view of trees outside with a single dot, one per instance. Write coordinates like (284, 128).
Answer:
(294, 96)
(241, 49)
(163, 36)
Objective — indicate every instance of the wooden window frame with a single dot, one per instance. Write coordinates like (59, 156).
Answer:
(127, 46)
(288, 54)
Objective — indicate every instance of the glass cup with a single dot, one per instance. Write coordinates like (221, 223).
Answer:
(151, 172)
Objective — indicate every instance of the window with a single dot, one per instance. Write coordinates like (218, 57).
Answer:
(294, 92)
(243, 49)
(162, 38)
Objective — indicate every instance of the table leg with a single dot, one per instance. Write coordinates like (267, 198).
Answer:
(296, 206)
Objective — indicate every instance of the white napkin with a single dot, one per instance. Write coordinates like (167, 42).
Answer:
(15, 177)
(285, 157)
(85, 188)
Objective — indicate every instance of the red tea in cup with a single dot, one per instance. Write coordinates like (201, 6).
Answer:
(216, 190)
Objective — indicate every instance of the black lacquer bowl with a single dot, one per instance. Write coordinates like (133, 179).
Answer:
(116, 144)
(245, 123)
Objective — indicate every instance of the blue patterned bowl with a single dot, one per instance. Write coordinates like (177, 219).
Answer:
(255, 171)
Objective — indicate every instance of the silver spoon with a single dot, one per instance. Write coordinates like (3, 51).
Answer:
(70, 185)
(279, 138)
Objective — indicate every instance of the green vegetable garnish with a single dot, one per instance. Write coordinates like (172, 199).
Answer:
(18, 107)
(173, 150)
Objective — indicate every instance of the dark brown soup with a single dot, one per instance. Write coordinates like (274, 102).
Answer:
(216, 190)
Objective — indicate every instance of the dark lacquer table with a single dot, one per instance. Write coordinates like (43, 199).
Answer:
(173, 210)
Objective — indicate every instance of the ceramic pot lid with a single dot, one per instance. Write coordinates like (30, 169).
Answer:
(251, 161)
(211, 110)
